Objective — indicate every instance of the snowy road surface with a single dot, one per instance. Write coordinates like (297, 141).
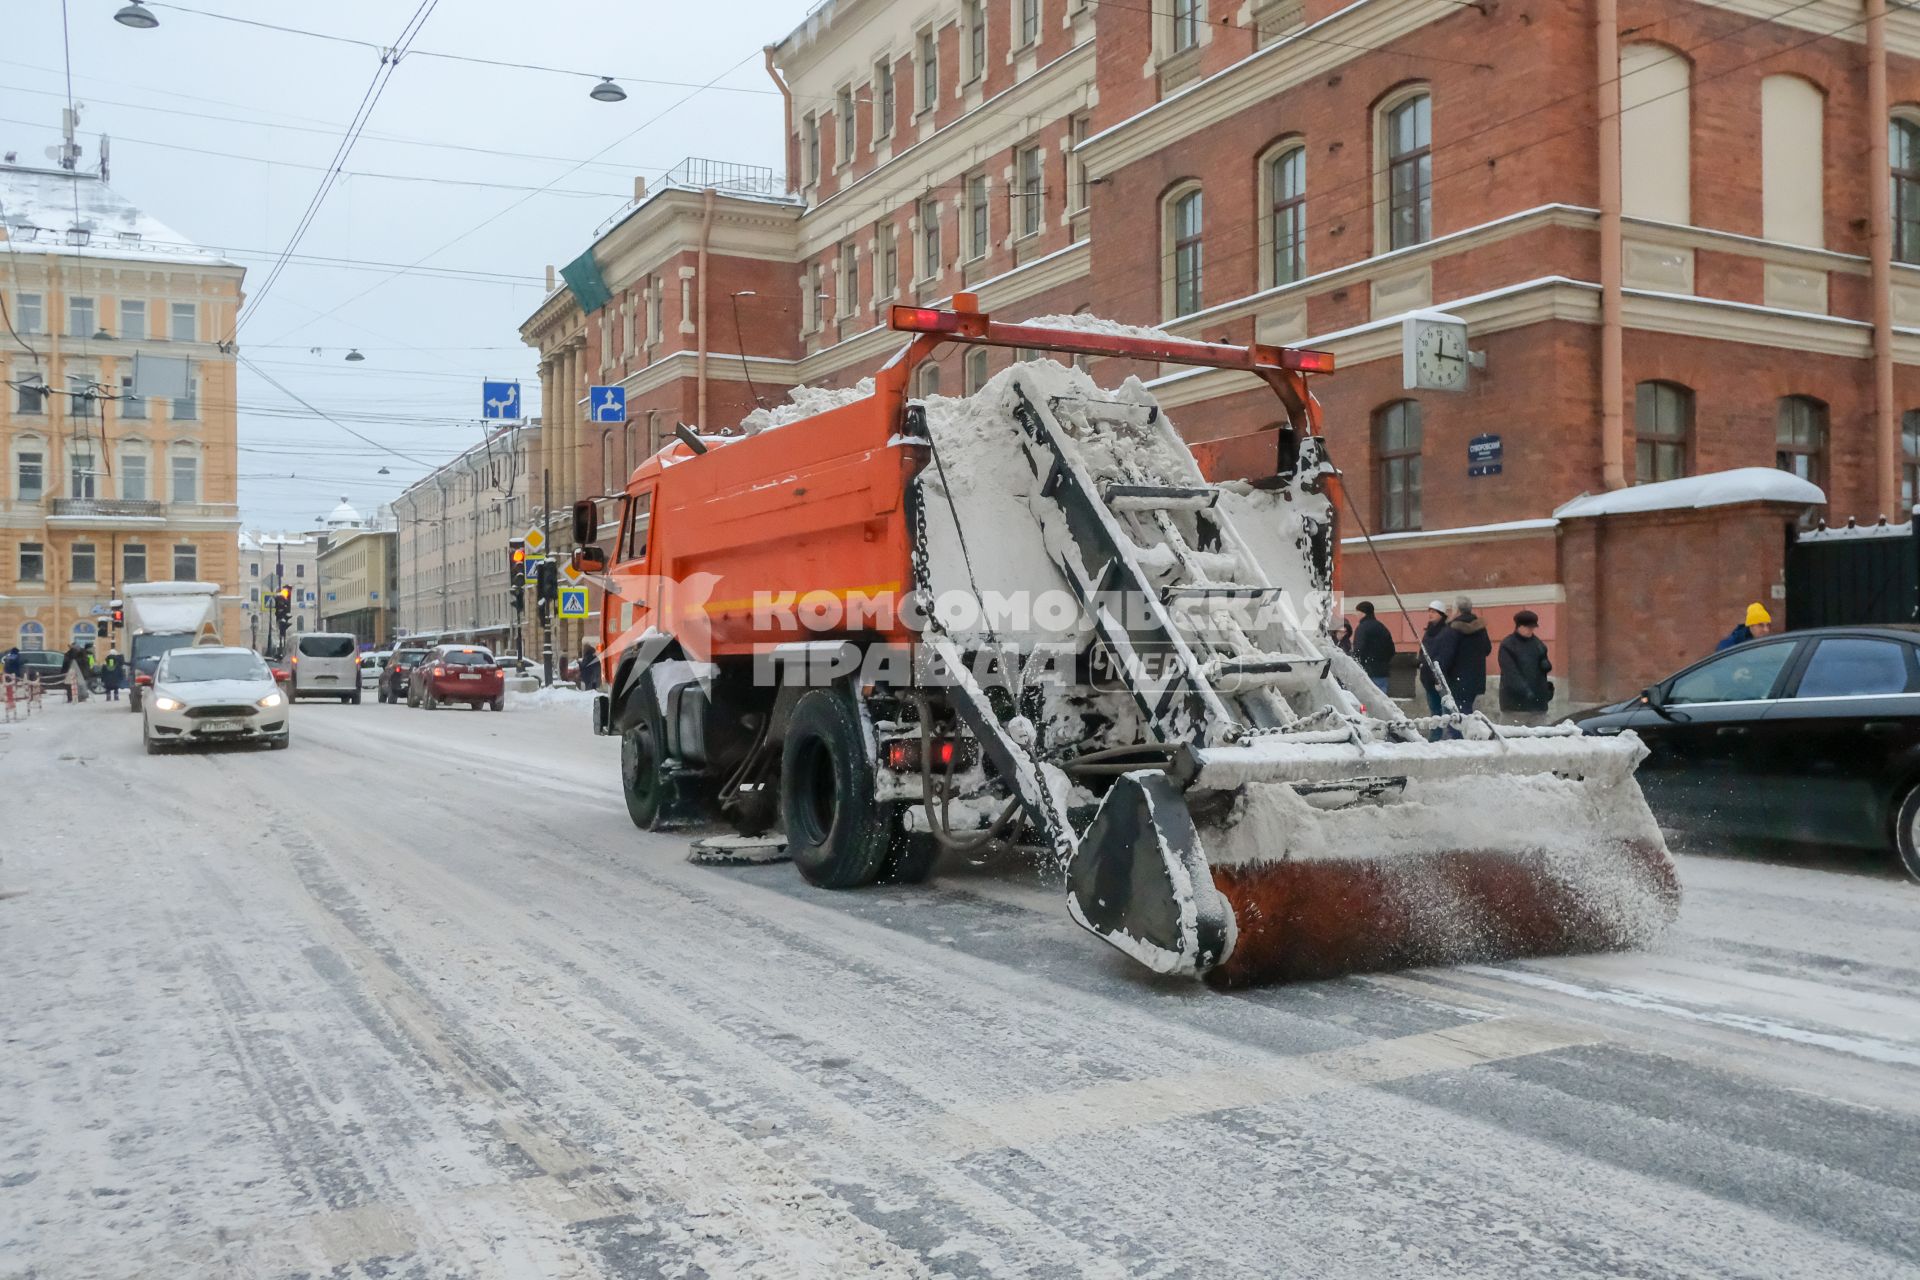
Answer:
(415, 999)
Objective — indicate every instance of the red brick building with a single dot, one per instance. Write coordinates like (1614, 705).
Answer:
(1682, 235)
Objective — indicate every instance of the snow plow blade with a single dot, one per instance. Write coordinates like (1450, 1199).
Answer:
(1476, 851)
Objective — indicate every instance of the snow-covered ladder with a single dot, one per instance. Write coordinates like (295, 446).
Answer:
(1109, 524)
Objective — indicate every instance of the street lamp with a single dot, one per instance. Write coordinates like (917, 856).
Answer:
(354, 357)
(137, 16)
(607, 91)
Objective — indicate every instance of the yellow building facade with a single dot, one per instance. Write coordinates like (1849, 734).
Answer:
(101, 488)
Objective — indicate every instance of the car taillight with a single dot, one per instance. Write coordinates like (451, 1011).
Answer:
(439, 671)
(143, 680)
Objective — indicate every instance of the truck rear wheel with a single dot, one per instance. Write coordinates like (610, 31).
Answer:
(837, 833)
(640, 779)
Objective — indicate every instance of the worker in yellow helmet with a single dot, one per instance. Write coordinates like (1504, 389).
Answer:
(1758, 623)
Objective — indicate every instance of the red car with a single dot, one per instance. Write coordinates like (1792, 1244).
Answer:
(457, 673)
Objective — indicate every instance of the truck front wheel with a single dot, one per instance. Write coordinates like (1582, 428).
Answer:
(837, 833)
(640, 776)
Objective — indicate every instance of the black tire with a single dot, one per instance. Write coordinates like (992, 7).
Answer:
(382, 694)
(640, 780)
(430, 702)
(133, 701)
(1906, 838)
(146, 740)
(499, 703)
(837, 833)
(354, 697)
(280, 743)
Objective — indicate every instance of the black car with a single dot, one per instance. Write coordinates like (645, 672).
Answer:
(393, 676)
(1811, 737)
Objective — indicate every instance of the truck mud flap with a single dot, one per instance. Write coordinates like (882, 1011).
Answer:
(1140, 880)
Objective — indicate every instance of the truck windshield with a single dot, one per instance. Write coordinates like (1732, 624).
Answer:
(191, 668)
(148, 647)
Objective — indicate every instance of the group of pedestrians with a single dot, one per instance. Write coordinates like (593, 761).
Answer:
(1453, 653)
(22, 684)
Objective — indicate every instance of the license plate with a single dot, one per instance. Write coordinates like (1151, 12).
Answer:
(328, 679)
(469, 677)
(220, 726)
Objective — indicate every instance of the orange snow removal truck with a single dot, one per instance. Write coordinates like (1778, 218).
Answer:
(885, 629)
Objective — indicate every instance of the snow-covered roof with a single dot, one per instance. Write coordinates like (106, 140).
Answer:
(1715, 489)
(1847, 533)
(344, 517)
(74, 213)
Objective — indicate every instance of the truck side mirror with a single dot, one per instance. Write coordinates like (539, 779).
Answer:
(590, 559)
(586, 521)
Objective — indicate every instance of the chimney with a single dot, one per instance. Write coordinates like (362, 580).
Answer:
(549, 277)
(639, 188)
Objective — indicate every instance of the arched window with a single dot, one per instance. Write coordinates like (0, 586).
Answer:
(1662, 424)
(1396, 445)
(1656, 134)
(929, 379)
(32, 635)
(975, 370)
(608, 478)
(1903, 155)
(1909, 461)
(1405, 132)
(1185, 219)
(1283, 183)
(1083, 361)
(1800, 437)
(1792, 174)
(85, 633)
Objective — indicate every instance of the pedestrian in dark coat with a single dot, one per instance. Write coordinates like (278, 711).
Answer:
(73, 673)
(1757, 623)
(113, 674)
(1373, 646)
(1525, 691)
(1466, 661)
(589, 666)
(1435, 642)
(13, 664)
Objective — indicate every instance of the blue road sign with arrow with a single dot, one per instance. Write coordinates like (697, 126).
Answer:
(500, 400)
(607, 404)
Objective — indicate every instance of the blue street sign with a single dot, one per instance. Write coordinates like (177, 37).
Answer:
(1484, 456)
(573, 602)
(607, 404)
(500, 400)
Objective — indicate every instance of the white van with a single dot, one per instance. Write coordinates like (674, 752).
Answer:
(325, 664)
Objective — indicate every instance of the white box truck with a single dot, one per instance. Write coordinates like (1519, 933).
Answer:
(162, 616)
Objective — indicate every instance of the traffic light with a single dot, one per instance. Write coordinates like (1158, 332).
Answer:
(119, 617)
(100, 628)
(517, 562)
(283, 604)
(549, 581)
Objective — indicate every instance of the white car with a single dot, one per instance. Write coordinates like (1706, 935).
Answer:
(371, 666)
(214, 693)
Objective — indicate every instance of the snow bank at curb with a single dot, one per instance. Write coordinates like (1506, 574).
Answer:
(554, 696)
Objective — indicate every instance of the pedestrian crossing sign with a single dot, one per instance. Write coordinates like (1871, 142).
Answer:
(573, 602)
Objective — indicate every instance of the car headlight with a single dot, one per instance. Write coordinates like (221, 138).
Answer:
(164, 703)
(272, 700)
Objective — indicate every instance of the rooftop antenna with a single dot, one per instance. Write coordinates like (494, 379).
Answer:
(105, 144)
(69, 149)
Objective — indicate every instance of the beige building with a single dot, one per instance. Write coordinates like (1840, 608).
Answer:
(451, 541)
(358, 595)
(102, 489)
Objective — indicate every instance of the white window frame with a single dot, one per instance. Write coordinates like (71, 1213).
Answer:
(1030, 190)
(133, 462)
(926, 65)
(974, 30)
(929, 251)
(190, 313)
(884, 104)
(886, 259)
(137, 310)
(1171, 250)
(25, 445)
(1383, 158)
(844, 116)
(1265, 197)
(979, 217)
(30, 313)
(1026, 24)
(1079, 127)
(191, 456)
(76, 303)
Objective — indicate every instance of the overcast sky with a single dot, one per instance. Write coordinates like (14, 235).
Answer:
(250, 119)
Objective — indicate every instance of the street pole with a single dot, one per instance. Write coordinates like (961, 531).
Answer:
(546, 625)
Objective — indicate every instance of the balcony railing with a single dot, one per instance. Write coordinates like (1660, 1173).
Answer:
(134, 508)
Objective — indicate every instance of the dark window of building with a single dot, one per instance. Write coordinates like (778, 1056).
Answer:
(1662, 424)
(1396, 443)
(1800, 437)
(1287, 188)
(1410, 173)
(1185, 234)
(1909, 461)
(1903, 154)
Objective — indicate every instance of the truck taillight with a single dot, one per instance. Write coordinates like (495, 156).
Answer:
(902, 755)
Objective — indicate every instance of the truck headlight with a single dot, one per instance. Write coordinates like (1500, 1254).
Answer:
(164, 703)
(272, 700)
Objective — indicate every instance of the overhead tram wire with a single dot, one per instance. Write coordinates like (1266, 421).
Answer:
(649, 122)
(376, 87)
(294, 396)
